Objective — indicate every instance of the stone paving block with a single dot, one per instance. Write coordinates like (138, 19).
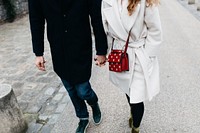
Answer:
(49, 91)
(60, 108)
(56, 83)
(44, 79)
(30, 79)
(33, 109)
(41, 73)
(58, 97)
(49, 109)
(12, 61)
(18, 91)
(34, 128)
(7, 81)
(46, 128)
(51, 74)
(23, 105)
(53, 103)
(62, 89)
(67, 118)
(53, 119)
(29, 72)
(43, 100)
(66, 99)
(44, 117)
(21, 61)
(17, 85)
(29, 95)
(31, 85)
(31, 117)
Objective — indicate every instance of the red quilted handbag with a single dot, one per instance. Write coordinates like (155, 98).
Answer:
(118, 59)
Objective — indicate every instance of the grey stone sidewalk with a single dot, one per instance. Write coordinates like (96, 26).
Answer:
(46, 104)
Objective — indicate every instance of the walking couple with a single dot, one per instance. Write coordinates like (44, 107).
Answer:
(69, 35)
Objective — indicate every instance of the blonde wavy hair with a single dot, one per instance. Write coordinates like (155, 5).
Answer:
(133, 4)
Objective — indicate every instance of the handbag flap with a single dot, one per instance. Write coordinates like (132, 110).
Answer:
(115, 56)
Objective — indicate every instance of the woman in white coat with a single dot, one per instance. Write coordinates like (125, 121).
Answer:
(141, 82)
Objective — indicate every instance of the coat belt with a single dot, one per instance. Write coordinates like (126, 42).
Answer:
(135, 44)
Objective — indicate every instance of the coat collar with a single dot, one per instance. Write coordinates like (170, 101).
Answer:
(112, 15)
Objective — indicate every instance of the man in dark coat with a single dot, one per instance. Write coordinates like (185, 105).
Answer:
(69, 35)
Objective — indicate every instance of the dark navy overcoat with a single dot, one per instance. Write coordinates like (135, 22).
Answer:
(69, 34)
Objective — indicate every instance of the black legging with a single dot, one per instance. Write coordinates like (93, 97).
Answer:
(137, 111)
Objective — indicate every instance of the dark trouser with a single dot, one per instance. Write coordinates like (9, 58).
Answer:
(137, 111)
(78, 93)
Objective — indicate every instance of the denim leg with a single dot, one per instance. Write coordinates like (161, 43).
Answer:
(79, 104)
(85, 92)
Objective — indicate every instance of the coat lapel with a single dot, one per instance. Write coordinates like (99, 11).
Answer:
(120, 26)
(111, 13)
(129, 21)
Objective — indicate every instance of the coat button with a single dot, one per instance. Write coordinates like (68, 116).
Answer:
(65, 31)
(64, 15)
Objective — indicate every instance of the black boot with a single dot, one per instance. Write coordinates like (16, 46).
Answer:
(82, 126)
(96, 114)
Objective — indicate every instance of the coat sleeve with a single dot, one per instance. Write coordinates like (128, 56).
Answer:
(96, 20)
(105, 25)
(154, 30)
(37, 23)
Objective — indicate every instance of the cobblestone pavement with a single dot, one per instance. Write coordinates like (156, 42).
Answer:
(46, 104)
(40, 94)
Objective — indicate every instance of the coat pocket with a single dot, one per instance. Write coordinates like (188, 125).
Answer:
(149, 61)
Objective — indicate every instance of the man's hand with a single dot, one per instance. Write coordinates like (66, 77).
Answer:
(39, 62)
(100, 60)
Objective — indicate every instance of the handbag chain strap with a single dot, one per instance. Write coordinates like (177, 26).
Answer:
(127, 41)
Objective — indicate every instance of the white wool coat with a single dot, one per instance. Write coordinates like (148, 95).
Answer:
(146, 37)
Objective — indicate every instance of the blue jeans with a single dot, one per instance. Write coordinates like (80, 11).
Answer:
(78, 94)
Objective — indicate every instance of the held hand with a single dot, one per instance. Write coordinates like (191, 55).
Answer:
(100, 60)
(39, 62)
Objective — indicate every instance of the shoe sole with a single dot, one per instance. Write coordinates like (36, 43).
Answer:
(86, 127)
